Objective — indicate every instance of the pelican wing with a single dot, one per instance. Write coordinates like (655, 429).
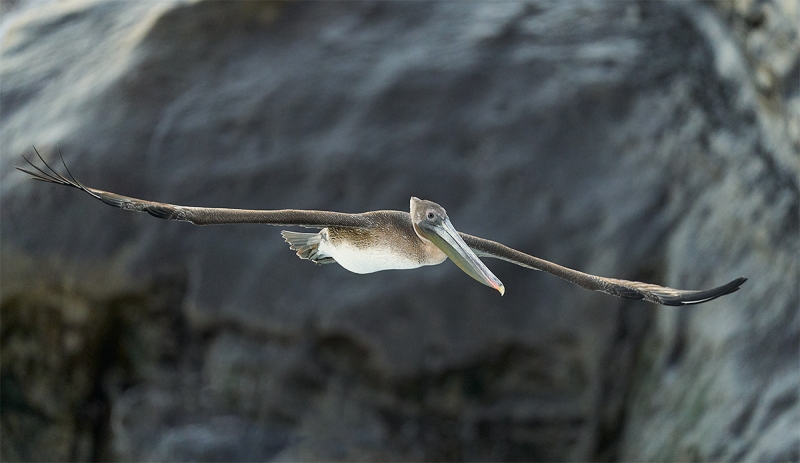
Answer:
(201, 215)
(620, 288)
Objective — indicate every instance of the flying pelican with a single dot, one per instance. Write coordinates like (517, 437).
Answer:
(384, 240)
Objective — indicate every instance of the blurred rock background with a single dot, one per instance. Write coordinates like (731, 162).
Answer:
(656, 141)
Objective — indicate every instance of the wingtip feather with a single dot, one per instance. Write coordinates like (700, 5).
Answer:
(698, 297)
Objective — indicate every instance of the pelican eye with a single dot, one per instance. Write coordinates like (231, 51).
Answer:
(431, 215)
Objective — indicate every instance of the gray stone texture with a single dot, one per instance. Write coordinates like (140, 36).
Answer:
(657, 141)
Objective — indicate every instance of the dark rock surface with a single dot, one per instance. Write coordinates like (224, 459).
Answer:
(652, 141)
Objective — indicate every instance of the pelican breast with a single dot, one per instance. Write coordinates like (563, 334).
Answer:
(390, 244)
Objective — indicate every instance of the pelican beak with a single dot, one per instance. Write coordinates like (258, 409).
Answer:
(446, 238)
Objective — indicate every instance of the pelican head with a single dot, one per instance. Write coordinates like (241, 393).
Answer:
(431, 223)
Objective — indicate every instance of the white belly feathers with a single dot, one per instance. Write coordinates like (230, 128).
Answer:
(369, 259)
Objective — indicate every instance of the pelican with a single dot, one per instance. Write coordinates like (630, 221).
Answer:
(384, 240)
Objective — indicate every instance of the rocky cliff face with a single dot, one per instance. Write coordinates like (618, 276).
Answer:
(642, 140)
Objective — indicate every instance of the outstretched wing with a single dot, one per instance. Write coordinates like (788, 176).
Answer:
(201, 215)
(620, 288)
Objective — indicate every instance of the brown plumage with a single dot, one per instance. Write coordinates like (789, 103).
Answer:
(382, 240)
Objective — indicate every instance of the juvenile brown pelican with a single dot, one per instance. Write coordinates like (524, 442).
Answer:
(384, 240)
